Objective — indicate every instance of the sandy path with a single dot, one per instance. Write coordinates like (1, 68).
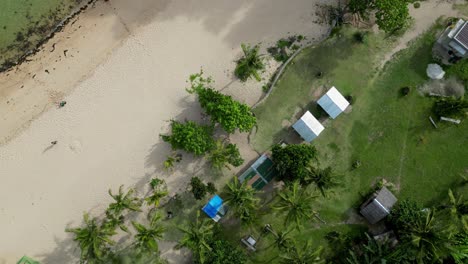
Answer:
(108, 133)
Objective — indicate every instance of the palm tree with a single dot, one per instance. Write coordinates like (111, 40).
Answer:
(304, 255)
(297, 203)
(94, 240)
(159, 191)
(282, 239)
(458, 210)
(250, 63)
(324, 179)
(371, 252)
(123, 201)
(197, 236)
(241, 198)
(428, 238)
(146, 237)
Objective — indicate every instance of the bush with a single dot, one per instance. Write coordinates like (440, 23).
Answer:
(417, 5)
(191, 137)
(223, 252)
(449, 107)
(198, 188)
(222, 155)
(211, 188)
(360, 37)
(459, 70)
(404, 91)
(356, 164)
(350, 99)
(222, 109)
(292, 161)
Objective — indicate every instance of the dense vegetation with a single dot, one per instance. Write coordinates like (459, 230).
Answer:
(391, 15)
(222, 109)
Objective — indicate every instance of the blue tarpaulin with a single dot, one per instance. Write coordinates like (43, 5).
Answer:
(213, 206)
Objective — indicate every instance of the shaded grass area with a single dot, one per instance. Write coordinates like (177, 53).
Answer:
(24, 23)
(342, 61)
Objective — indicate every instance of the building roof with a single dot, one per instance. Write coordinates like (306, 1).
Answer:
(213, 206)
(379, 206)
(260, 173)
(333, 102)
(462, 35)
(308, 127)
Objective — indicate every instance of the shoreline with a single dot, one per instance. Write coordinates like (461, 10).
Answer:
(55, 30)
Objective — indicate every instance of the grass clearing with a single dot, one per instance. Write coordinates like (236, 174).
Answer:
(391, 135)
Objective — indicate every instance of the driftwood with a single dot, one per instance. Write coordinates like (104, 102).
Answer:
(432, 121)
(451, 120)
(437, 95)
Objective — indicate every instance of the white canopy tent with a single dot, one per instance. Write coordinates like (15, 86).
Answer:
(333, 102)
(308, 127)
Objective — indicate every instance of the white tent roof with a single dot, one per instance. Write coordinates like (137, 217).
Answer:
(308, 127)
(333, 102)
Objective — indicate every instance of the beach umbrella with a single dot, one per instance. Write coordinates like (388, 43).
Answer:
(435, 72)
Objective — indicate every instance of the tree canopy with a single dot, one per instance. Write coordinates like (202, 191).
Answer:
(222, 109)
(191, 137)
(223, 252)
(391, 15)
(250, 64)
(291, 161)
(241, 198)
(224, 154)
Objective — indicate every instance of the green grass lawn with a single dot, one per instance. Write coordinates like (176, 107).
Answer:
(21, 16)
(389, 134)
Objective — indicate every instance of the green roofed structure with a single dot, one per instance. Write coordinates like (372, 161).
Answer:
(260, 173)
(27, 260)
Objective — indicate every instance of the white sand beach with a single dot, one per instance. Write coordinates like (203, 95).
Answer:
(122, 67)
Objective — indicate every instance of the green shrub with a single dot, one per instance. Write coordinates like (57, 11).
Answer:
(292, 161)
(417, 5)
(404, 91)
(460, 70)
(222, 109)
(211, 188)
(449, 107)
(191, 137)
(198, 188)
(361, 37)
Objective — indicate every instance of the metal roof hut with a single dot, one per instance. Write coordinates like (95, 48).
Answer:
(378, 206)
(333, 102)
(308, 127)
(455, 39)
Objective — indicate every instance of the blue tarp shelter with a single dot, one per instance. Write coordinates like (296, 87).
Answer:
(213, 207)
(333, 102)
